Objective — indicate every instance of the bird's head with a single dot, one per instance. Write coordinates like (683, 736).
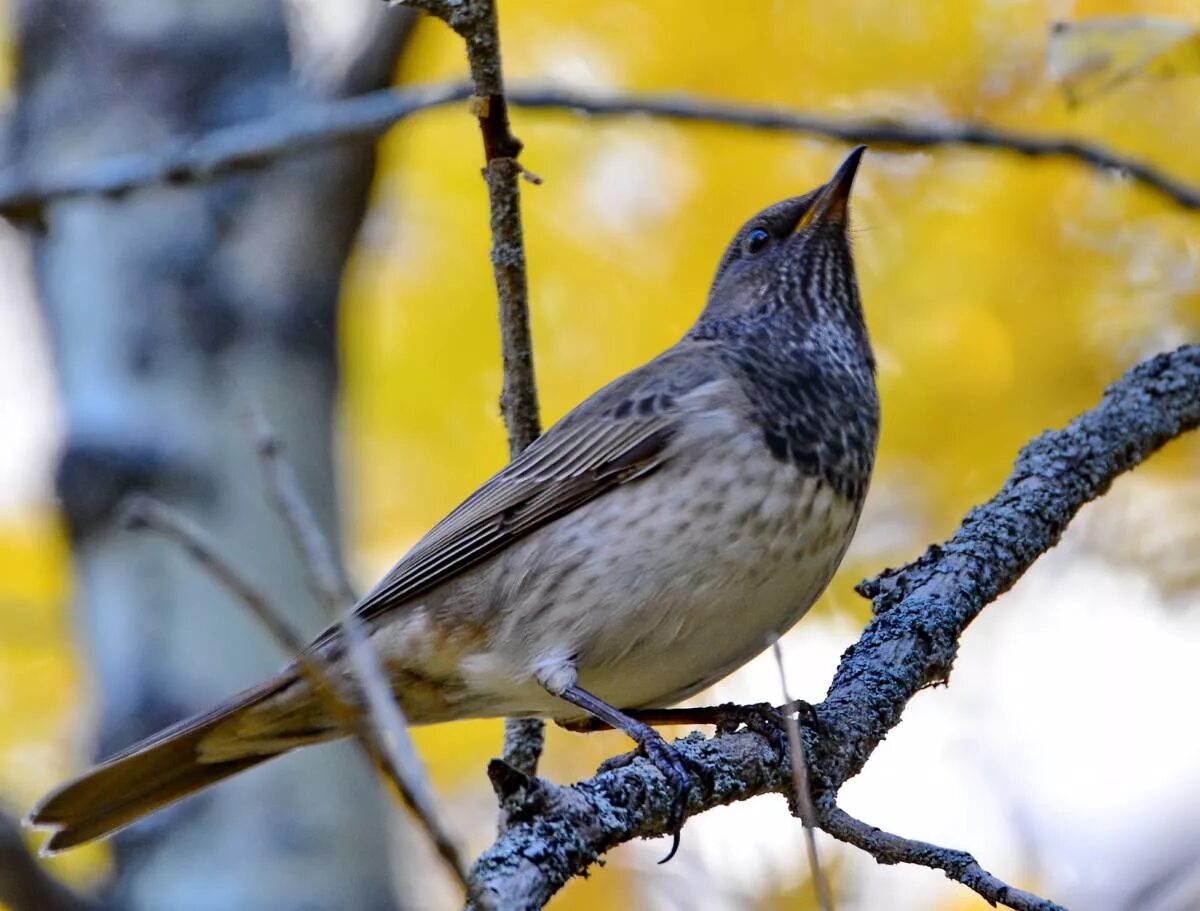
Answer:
(792, 257)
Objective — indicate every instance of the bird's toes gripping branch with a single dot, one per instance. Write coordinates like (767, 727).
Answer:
(767, 720)
(675, 766)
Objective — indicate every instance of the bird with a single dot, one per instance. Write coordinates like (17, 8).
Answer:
(653, 540)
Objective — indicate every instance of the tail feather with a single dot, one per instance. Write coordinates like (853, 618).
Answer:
(159, 770)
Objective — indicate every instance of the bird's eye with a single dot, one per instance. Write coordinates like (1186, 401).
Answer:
(756, 240)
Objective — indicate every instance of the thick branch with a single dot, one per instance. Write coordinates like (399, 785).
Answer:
(922, 608)
(921, 611)
(23, 193)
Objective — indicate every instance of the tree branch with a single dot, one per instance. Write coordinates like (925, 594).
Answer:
(957, 865)
(921, 611)
(245, 147)
(802, 788)
(872, 130)
(475, 21)
(24, 192)
(381, 725)
(144, 513)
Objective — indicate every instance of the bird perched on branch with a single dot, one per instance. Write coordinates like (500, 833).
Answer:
(653, 540)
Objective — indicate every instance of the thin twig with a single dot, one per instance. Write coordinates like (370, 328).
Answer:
(959, 866)
(326, 575)
(802, 790)
(475, 21)
(874, 130)
(25, 192)
(388, 728)
(921, 611)
(143, 512)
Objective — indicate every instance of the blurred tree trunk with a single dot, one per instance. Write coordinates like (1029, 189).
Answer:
(168, 309)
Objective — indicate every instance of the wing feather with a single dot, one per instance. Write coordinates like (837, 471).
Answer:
(621, 433)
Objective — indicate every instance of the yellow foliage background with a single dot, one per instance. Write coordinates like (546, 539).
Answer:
(1002, 293)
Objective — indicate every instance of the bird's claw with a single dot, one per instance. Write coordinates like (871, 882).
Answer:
(674, 767)
(677, 769)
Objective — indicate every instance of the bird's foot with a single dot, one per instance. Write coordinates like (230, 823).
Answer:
(768, 720)
(676, 767)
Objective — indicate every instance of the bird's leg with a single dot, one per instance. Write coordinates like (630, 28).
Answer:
(668, 760)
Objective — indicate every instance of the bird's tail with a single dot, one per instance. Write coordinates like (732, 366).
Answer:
(158, 771)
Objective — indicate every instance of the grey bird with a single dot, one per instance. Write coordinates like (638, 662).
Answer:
(653, 540)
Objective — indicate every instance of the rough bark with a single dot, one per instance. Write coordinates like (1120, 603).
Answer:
(168, 308)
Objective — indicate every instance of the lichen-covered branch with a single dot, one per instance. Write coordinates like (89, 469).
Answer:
(475, 21)
(921, 611)
(959, 866)
(24, 191)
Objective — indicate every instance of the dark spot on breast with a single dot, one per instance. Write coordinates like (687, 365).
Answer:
(777, 444)
(806, 460)
(834, 448)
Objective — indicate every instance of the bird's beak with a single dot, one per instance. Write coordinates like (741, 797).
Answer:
(830, 206)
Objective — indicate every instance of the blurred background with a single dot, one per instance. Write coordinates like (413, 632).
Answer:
(349, 293)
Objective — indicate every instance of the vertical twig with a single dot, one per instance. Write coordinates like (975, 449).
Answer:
(386, 735)
(803, 791)
(475, 21)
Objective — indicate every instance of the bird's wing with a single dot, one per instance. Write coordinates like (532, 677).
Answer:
(621, 433)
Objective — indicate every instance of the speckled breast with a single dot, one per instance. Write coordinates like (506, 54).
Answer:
(706, 588)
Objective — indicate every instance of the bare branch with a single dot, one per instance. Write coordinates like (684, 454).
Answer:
(883, 132)
(24, 192)
(475, 21)
(921, 611)
(26, 885)
(957, 865)
(385, 730)
(327, 577)
(143, 512)
(801, 789)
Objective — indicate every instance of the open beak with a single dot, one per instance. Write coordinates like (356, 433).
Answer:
(831, 204)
